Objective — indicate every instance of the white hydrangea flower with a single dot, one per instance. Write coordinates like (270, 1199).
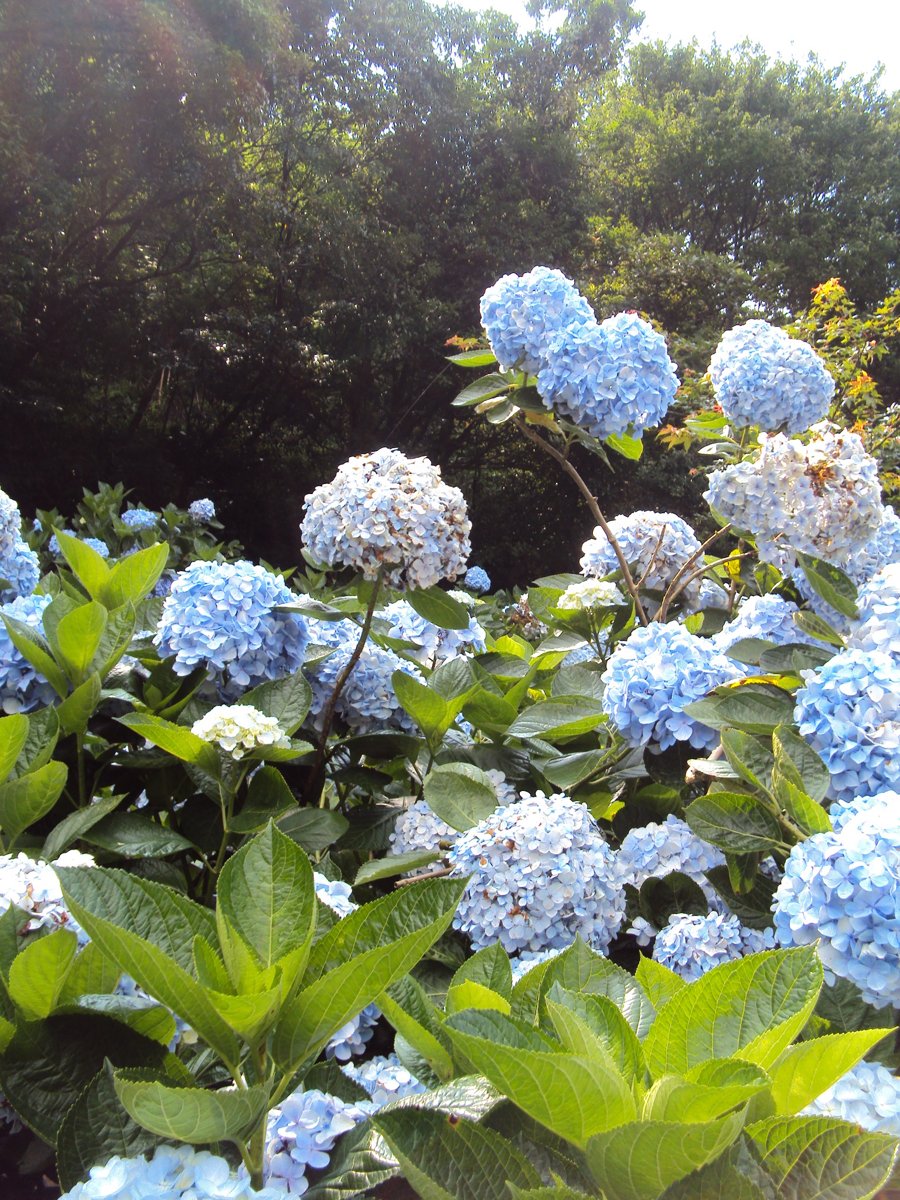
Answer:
(590, 593)
(239, 728)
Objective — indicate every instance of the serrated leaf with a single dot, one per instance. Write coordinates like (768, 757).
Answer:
(490, 967)
(77, 637)
(678, 1099)
(38, 973)
(580, 969)
(174, 739)
(438, 607)
(737, 823)
(816, 627)
(416, 1019)
(818, 1158)
(13, 732)
(88, 567)
(268, 798)
(43, 733)
(287, 700)
(659, 899)
(829, 582)
(133, 835)
(808, 1069)
(133, 578)
(801, 764)
(76, 710)
(802, 809)
(752, 760)
(314, 829)
(460, 794)
(660, 983)
(191, 1114)
(431, 712)
(30, 797)
(753, 1007)
(751, 707)
(77, 824)
(450, 1158)
(753, 907)
(563, 717)
(631, 448)
(606, 1023)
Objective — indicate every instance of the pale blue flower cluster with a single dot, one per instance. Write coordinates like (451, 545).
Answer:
(139, 518)
(540, 874)
(385, 1078)
(652, 677)
(96, 544)
(692, 945)
(300, 1134)
(849, 712)
(477, 580)
(842, 888)
(710, 595)
(173, 1173)
(842, 811)
(525, 962)
(608, 378)
(53, 545)
(821, 497)
(10, 525)
(33, 886)
(367, 701)
(202, 510)
(352, 1037)
(867, 1096)
(655, 545)
(22, 687)
(763, 377)
(386, 512)
(770, 618)
(22, 571)
(878, 601)
(222, 616)
(436, 644)
(521, 315)
(418, 828)
(656, 850)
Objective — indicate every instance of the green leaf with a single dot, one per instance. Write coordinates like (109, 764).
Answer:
(77, 638)
(816, 627)
(148, 930)
(191, 1114)
(818, 1158)
(133, 578)
(133, 835)
(287, 700)
(76, 825)
(94, 1129)
(394, 864)
(431, 712)
(473, 358)
(250, 1016)
(567, 771)
(460, 794)
(830, 583)
(639, 1160)
(76, 710)
(438, 607)
(13, 732)
(658, 981)
(468, 994)
(490, 967)
(751, 707)
(753, 1007)
(268, 798)
(416, 1019)
(139, 1013)
(808, 1069)
(723, 1085)
(802, 809)
(574, 1096)
(89, 568)
(750, 758)
(580, 969)
(445, 1157)
(735, 822)
(174, 739)
(562, 717)
(659, 899)
(629, 447)
(38, 973)
(30, 797)
(35, 650)
(734, 1175)
(360, 957)
(754, 907)
(607, 1024)
(43, 734)
(116, 639)
(314, 829)
(799, 763)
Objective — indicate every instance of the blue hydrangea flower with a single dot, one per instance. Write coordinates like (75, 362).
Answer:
(33, 886)
(477, 580)
(96, 544)
(652, 677)
(770, 618)
(522, 313)
(202, 511)
(849, 712)
(173, 1173)
(367, 701)
(608, 378)
(656, 850)
(140, 518)
(842, 810)
(53, 545)
(301, 1133)
(222, 616)
(436, 645)
(878, 601)
(692, 945)
(335, 893)
(710, 595)
(868, 1096)
(821, 497)
(418, 828)
(384, 511)
(22, 571)
(22, 688)
(385, 1078)
(763, 377)
(523, 963)
(655, 545)
(352, 1037)
(842, 888)
(541, 873)
(10, 525)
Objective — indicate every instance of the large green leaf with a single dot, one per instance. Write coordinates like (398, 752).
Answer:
(134, 835)
(133, 578)
(287, 700)
(438, 607)
(489, 967)
(77, 637)
(830, 582)
(737, 823)
(572, 1095)
(38, 973)
(606, 1024)
(725, 1084)
(430, 711)
(77, 709)
(808, 1069)
(30, 797)
(360, 957)
(417, 1020)
(13, 732)
(752, 760)
(89, 567)
(800, 764)
(191, 1114)
(562, 717)
(659, 982)
(450, 1158)
(76, 825)
(753, 1007)
(751, 707)
(580, 969)
(639, 1160)
(460, 794)
(43, 734)
(174, 739)
(314, 829)
(394, 864)
(817, 1158)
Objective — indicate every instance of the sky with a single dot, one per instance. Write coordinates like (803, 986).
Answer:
(857, 35)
